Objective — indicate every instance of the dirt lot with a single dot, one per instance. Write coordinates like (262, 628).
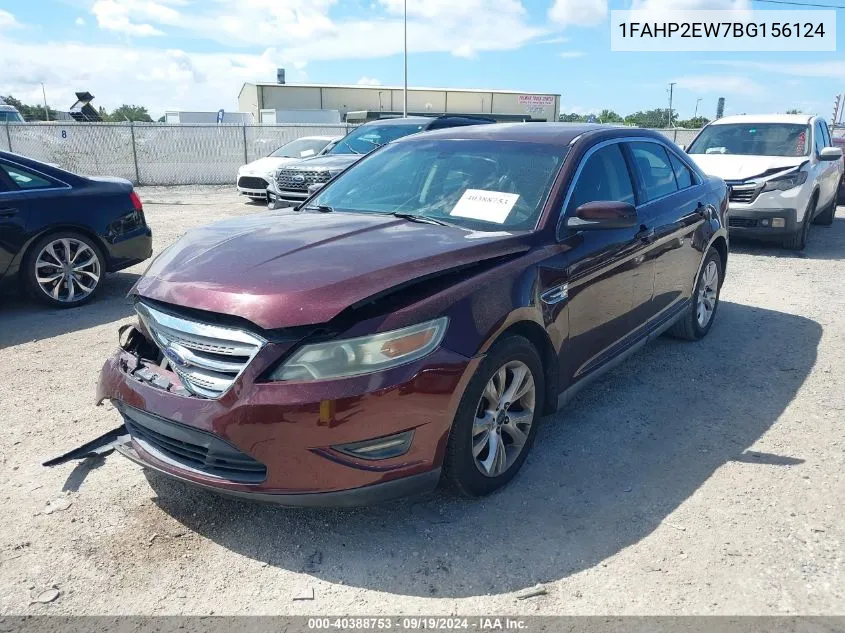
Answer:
(695, 478)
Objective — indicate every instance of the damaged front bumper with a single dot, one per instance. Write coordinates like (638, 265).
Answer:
(282, 442)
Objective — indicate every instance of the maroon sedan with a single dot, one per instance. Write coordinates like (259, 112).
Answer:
(413, 320)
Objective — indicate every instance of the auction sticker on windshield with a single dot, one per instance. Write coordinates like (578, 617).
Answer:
(490, 206)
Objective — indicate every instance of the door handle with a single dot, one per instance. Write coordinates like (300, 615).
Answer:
(7, 212)
(646, 236)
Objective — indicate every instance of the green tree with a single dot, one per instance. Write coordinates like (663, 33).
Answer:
(793, 111)
(29, 112)
(609, 116)
(128, 113)
(659, 117)
(572, 118)
(694, 123)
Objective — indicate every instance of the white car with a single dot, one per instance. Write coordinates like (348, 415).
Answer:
(254, 177)
(782, 170)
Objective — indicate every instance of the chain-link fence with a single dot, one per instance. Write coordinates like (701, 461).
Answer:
(170, 154)
(154, 153)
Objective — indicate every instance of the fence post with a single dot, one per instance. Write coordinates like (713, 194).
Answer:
(8, 136)
(246, 158)
(135, 153)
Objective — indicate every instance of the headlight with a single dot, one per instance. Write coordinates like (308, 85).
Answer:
(364, 355)
(788, 181)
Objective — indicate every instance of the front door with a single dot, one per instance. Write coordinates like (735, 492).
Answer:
(601, 275)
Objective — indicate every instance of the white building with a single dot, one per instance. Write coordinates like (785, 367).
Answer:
(368, 102)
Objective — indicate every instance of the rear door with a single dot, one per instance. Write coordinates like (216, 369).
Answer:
(607, 278)
(672, 207)
(22, 191)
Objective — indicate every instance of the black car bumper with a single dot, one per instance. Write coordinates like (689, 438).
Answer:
(129, 249)
(763, 224)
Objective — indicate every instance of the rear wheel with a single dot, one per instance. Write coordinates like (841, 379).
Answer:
(64, 269)
(698, 319)
(497, 419)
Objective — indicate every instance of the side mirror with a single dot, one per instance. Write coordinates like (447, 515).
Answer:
(603, 214)
(830, 153)
(312, 189)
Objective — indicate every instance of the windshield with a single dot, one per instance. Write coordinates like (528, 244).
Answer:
(750, 139)
(482, 185)
(10, 115)
(365, 139)
(301, 148)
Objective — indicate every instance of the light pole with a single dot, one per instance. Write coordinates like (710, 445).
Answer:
(405, 92)
(697, 101)
(46, 109)
(671, 89)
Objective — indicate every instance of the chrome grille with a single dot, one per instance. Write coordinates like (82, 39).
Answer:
(300, 179)
(207, 358)
(744, 194)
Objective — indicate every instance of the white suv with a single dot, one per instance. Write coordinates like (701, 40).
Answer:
(782, 170)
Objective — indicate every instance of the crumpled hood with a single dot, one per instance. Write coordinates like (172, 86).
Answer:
(286, 268)
(263, 166)
(735, 167)
(331, 162)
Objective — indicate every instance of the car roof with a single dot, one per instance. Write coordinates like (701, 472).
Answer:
(403, 120)
(799, 119)
(315, 138)
(548, 133)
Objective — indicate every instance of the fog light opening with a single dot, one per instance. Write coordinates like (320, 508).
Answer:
(778, 223)
(378, 448)
(766, 222)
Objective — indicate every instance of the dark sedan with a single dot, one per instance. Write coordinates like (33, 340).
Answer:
(61, 233)
(413, 321)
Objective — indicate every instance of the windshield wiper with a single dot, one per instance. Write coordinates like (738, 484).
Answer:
(322, 208)
(422, 219)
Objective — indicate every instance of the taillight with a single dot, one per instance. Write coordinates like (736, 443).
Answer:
(136, 201)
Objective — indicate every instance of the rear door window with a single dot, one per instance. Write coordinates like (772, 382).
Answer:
(657, 176)
(604, 176)
(683, 175)
(25, 179)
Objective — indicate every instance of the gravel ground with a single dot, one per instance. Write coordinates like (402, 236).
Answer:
(695, 478)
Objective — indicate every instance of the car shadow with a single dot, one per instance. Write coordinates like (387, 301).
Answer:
(823, 242)
(604, 473)
(23, 319)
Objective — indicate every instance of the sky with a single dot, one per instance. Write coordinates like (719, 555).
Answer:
(196, 54)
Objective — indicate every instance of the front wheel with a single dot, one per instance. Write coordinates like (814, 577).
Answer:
(798, 240)
(64, 269)
(698, 319)
(496, 419)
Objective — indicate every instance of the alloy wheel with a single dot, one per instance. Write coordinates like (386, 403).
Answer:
(67, 270)
(707, 293)
(503, 418)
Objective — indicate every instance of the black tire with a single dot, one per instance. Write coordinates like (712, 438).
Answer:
(688, 327)
(29, 272)
(825, 218)
(798, 240)
(460, 470)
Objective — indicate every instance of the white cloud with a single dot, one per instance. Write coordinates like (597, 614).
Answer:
(722, 85)
(578, 12)
(572, 54)
(554, 40)
(368, 81)
(80, 22)
(690, 5)
(829, 69)
(8, 21)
